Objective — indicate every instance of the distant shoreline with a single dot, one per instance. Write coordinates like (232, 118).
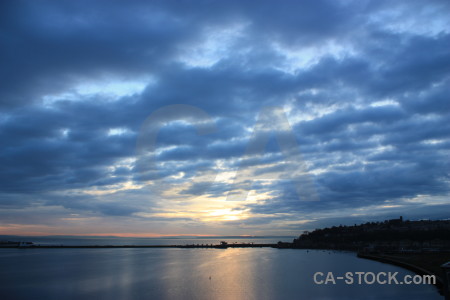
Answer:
(213, 246)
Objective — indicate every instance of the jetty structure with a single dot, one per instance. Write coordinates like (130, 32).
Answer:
(222, 245)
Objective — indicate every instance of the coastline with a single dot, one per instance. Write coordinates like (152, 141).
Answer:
(214, 246)
(412, 267)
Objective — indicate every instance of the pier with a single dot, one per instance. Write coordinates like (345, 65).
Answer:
(222, 245)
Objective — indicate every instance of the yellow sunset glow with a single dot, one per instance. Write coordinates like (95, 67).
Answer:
(204, 215)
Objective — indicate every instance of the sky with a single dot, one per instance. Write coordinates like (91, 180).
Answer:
(163, 118)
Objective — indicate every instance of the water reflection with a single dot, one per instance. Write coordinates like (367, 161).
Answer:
(190, 274)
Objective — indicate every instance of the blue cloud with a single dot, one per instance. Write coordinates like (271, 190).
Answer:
(366, 95)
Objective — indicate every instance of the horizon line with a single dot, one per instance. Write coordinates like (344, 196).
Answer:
(133, 235)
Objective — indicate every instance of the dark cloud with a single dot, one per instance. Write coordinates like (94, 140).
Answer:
(364, 85)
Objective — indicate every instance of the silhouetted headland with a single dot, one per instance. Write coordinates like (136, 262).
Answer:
(394, 235)
(421, 246)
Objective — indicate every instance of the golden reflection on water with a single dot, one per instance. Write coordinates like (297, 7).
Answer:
(216, 274)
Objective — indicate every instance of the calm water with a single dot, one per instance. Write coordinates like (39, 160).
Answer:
(259, 273)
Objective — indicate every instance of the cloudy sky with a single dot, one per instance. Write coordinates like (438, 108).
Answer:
(221, 117)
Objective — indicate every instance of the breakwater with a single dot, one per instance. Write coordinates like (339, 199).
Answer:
(405, 265)
(214, 246)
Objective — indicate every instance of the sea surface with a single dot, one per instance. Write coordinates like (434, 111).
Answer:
(166, 273)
